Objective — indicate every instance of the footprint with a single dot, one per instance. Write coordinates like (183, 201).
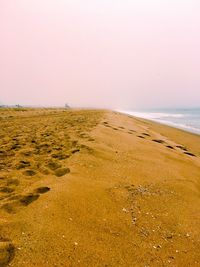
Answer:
(158, 141)
(182, 148)
(171, 147)
(75, 150)
(11, 181)
(44, 170)
(7, 251)
(28, 199)
(60, 156)
(62, 171)
(2, 154)
(26, 153)
(19, 201)
(6, 189)
(53, 165)
(91, 139)
(29, 173)
(57, 148)
(42, 190)
(190, 154)
(146, 134)
(9, 208)
(15, 147)
(86, 148)
(22, 164)
(140, 136)
(74, 142)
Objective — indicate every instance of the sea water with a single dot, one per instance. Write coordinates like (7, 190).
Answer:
(186, 119)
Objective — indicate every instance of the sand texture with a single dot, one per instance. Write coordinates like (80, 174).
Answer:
(97, 188)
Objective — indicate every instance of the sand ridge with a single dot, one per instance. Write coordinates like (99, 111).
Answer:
(97, 188)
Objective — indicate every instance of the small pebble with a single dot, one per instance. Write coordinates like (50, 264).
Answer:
(134, 220)
(124, 210)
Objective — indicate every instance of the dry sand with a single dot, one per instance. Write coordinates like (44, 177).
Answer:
(97, 188)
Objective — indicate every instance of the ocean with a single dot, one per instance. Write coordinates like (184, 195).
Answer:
(185, 119)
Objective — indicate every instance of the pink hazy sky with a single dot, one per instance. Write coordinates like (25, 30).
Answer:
(101, 53)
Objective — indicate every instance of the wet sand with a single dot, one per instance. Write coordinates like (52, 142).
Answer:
(97, 188)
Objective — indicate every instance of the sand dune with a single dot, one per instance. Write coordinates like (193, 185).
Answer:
(97, 188)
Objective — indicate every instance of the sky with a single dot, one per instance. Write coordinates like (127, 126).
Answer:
(123, 54)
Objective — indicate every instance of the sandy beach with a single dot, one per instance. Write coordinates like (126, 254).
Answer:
(97, 188)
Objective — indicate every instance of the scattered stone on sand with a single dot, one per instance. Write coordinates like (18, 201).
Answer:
(125, 210)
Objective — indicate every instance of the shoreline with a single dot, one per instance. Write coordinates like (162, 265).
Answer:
(180, 126)
(183, 136)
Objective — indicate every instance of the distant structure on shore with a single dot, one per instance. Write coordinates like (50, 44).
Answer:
(20, 106)
(3, 106)
(10, 106)
(67, 106)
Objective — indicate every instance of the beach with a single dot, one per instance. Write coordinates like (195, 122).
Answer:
(97, 188)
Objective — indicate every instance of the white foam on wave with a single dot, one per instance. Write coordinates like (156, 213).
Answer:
(152, 115)
(181, 126)
(161, 118)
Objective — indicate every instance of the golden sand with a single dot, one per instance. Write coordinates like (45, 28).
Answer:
(97, 188)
